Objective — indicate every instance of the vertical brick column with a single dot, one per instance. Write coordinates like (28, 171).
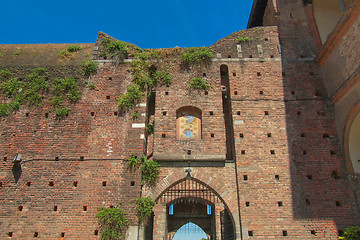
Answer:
(218, 208)
(160, 223)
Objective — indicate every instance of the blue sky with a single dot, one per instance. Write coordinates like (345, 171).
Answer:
(148, 24)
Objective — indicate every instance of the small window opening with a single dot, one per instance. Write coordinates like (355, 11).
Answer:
(266, 112)
(5, 158)
(75, 183)
(333, 152)
(84, 208)
(280, 204)
(81, 157)
(250, 56)
(56, 158)
(36, 234)
(292, 92)
(166, 93)
(261, 92)
(307, 201)
(266, 39)
(284, 233)
(92, 114)
(304, 152)
(105, 57)
(238, 113)
(28, 184)
(229, 56)
(204, 74)
(335, 174)
(311, 73)
(241, 135)
(62, 234)
(110, 78)
(107, 97)
(313, 232)
(242, 151)
(211, 113)
(337, 203)
(272, 151)
(20, 208)
(96, 232)
(208, 210)
(46, 115)
(310, 177)
(27, 114)
(298, 113)
(212, 135)
(277, 177)
(188, 152)
(271, 56)
(234, 74)
(247, 204)
(164, 113)
(317, 93)
(51, 183)
(235, 93)
(171, 210)
(206, 93)
(163, 135)
(326, 135)
(283, 73)
(245, 177)
(55, 208)
(115, 113)
(302, 135)
(269, 135)
(10, 234)
(104, 183)
(132, 183)
(321, 113)
(1, 184)
(258, 73)
(251, 233)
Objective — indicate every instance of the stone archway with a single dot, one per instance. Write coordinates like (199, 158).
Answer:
(188, 194)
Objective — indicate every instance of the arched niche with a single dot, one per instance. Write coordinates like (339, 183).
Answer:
(352, 140)
(188, 123)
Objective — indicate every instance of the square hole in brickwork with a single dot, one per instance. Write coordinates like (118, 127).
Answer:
(310, 177)
(247, 204)
(284, 233)
(251, 233)
(338, 203)
(266, 39)
(46, 115)
(206, 93)
(280, 204)
(96, 232)
(321, 113)
(266, 112)
(107, 97)
(51, 183)
(75, 183)
(302, 135)
(104, 183)
(27, 114)
(115, 113)
(56, 158)
(111, 206)
(84, 208)
(82, 157)
(28, 184)
(20, 208)
(335, 174)
(250, 56)
(258, 73)
(10, 234)
(164, 113)
(317, 93)
(277, 177)
(261, 92)
(229, 56)
(55, 208)
(238, 113)
(241, 135)
(36, 234)
(234, 74)
(242, 151)
(211, 113)
(1, 184)
(110, 78)
(166, 93)
(313, 232)
(292, 92)
(311, 73)
(235, 92)
(245, 177)
(340, 232)
(92, 114)
(304, 152)
(298, 113)
(332, 152)
(132, 183)
(271, 56)
(204, 74)
(212, 135)
(62, 234)
(283, 73)
(163, 135)
(307, 202)
(5, 158)
(269, 135)
(272, 151)
(326, 135)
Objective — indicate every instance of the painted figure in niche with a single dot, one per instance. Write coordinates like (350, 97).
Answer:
(189, 126)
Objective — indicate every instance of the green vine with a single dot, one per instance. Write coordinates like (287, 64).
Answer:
(242, 39)
(112, 221)
(134, 162)
(69, 51)
(88, 68)
(351, 233)
(144, 207)
(196, 55)
(149, 172)
(199, 83)
(118, 50)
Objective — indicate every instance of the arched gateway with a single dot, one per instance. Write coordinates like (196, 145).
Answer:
(190, 200)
